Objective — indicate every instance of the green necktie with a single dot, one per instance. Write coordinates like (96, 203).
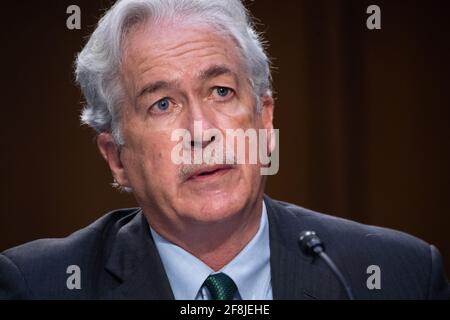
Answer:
(221, 286)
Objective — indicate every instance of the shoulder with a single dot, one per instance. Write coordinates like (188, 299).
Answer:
(296, 218)
(93, 235)
(406, 262)
(40, 263)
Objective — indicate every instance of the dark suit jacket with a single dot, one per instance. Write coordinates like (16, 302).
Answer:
(118, 260)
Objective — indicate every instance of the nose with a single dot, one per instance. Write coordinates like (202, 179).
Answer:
(200, 122)
(202, 143)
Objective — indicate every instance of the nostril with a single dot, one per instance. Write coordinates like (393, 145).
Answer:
(213, 138)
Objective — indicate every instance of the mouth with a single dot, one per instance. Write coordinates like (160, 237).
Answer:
(208, 172)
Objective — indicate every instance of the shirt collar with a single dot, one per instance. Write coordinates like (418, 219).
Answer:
(250, 269)
(185, 272)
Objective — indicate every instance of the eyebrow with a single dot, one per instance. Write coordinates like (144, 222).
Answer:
(210, 73)
(156, 86)
(216, 71)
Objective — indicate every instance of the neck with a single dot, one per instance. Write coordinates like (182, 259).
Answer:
(229, 236)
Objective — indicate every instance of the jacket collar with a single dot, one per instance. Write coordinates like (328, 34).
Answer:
(135, 262)
(294, 275)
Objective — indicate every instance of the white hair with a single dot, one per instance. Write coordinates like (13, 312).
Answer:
(98, 64)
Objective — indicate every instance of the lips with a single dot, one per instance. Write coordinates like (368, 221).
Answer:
(205, 172)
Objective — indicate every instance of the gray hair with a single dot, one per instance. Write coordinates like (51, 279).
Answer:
(98, 64)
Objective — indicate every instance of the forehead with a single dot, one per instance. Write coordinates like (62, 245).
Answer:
(181, 47)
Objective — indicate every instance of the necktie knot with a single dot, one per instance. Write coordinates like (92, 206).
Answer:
(221, 286)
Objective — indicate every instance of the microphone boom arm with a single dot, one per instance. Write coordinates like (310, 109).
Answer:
(311, 245)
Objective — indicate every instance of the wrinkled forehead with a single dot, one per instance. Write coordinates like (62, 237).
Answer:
(178, 39)
(171, 52)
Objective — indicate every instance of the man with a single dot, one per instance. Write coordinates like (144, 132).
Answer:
(204, 230)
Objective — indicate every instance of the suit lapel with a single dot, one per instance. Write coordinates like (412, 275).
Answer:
(295, 276)
(135, 262)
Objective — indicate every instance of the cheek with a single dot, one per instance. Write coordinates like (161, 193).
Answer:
(157, 154)
(254, 172)
(244, 120)
(150, 156)
(248, 118)
(243, 115)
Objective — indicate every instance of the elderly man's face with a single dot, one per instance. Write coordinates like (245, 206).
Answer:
(175, 75)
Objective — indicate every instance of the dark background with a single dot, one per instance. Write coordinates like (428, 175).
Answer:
(363, 116)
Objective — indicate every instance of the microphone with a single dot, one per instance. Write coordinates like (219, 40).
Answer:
(311, 245)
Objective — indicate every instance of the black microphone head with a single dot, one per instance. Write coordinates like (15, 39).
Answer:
(310, 243)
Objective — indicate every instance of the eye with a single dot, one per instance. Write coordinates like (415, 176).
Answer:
(161, 105)
(223, 92)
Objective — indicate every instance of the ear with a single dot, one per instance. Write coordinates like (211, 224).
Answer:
(267, 118)
(111, 153)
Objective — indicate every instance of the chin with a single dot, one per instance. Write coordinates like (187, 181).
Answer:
(216, 207)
